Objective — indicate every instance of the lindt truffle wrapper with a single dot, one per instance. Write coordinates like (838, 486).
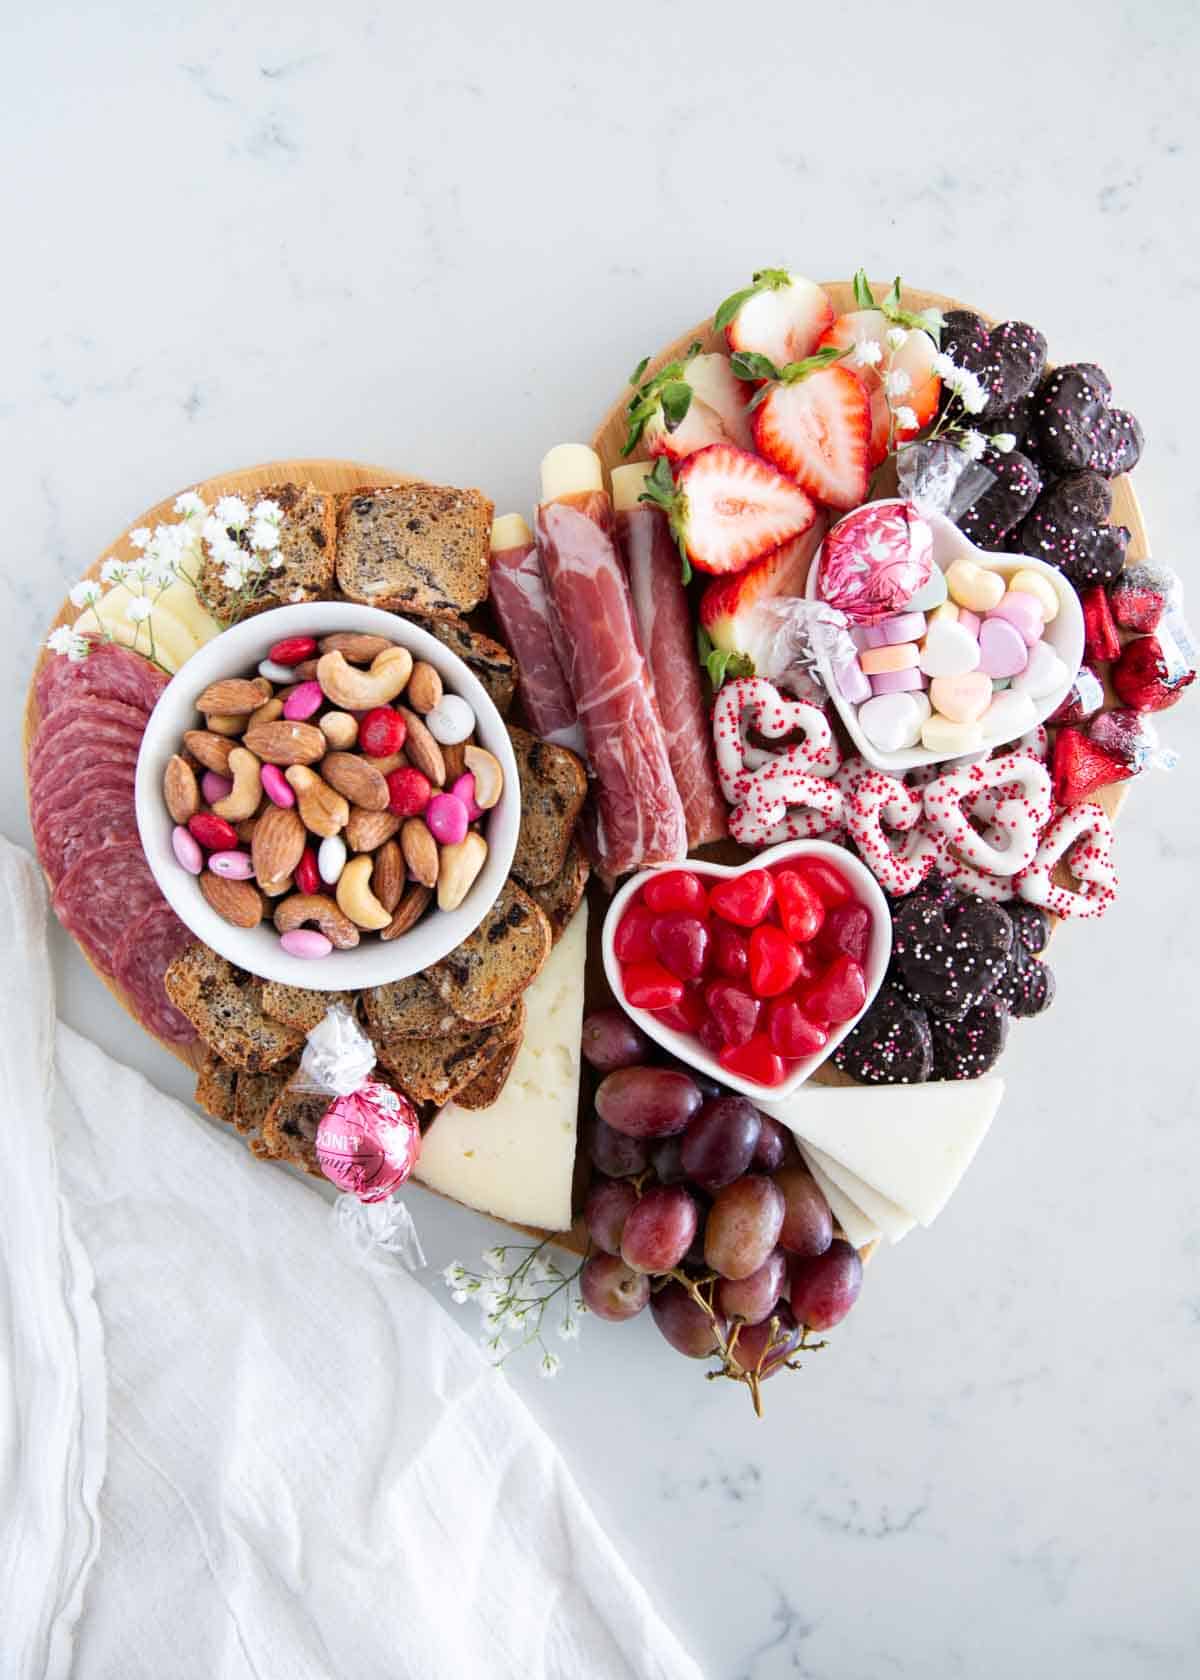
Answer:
(875, 560)
(939, 477)
(368, 1142)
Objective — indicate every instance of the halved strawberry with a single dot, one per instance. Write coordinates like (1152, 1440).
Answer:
(914, 358)
(813, 422)
(731, 610)
(686, 406)
(727, 507)
(780, 315)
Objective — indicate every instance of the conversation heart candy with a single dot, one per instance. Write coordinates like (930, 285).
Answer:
(970, 621)
(949, 650)
(868, 635)
(948, 739)
(898, 682)
(944, 613)
(1010, 714)
(962, 699)
(905, 627)
(973, 586)
(1029, 582)
(1024, 612)
(897, 658)
(1044, 673)
(892, 722)
(1002, 648)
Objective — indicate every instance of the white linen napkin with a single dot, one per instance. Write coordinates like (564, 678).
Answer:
(312, 1473)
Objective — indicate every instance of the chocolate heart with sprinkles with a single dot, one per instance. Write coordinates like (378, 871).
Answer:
(950, 955)
(1067, 529)
(1077, 431)
(1003, 504)
(1008, 360)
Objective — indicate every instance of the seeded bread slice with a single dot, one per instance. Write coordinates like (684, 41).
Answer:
(224, 1004)
(492, 967)
(561, 897)
(490, 661)
(487, 1086)
(296, 1006)
(435, 1069)
(257, 1091)
(408, 1008)
(307, 536)
(553, 789)
(289, 1127)
(420, 548)
(215, 1085)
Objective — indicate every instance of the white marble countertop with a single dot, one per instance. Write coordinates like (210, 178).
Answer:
(439, 241)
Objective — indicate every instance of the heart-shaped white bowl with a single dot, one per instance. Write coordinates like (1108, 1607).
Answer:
(372, 962)
(1064, 634)
(690, 1050)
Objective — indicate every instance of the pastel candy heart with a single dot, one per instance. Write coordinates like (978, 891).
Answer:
(1002, 648)
(905, 627)
(851, 680)
(946, 612)
(898, 682)
(930, 595)
(1044, 673)
(1029, 582)
(970, 621)
(962, 699)
(895, 658)
(868, 635)
(948, 739)
(973, 586)
(949, 650)
(892, 722)
(1024, 612)
(1010, 714)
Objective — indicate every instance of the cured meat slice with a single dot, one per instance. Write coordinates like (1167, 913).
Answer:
(62, 765)
(519, 597)
(64, 836)
(142, 956)
(109, 672)
(664, 621)
(54, 795)
(101, 895)
(87, 719)
(638, 817)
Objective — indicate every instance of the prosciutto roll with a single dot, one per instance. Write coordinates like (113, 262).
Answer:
(518, 596)
(637, 815)
(668, 638)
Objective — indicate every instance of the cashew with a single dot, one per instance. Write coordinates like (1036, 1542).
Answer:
(322, 811)
(225, 723)
(339, 729)
(337, 927)
(245, 796)
(358, 691)
(268, 712)
(355, 898)
(489, 777)
(458, 868)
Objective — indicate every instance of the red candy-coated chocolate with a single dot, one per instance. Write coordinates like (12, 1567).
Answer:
(1146, 679)
(744, 899)
(734, 1010)
(1081, 767)
(648, 985)
(680, 943)
(791, 1031)
(757, 1060)
(307, 875)
(675, 889)
(831, 886)
(409, 791)
(1101, 642)
(801, 911)
(381, 732)
(774, 961)
(212, 832)
(688, 1015)
(368, 1143)
(839, 994)
(632, 941)
(293, 649)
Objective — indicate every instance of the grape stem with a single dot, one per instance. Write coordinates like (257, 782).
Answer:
(727, 1345)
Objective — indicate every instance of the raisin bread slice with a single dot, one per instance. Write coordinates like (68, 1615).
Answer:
(414, 548)
(485, 975)
(224, 1004)
(307, 537)
(553, 789)
(490, 661)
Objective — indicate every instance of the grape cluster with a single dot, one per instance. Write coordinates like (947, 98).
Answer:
(701, 1208)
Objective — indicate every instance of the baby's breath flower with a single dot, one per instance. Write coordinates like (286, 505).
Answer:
(139, 609)
(550, 1365)
(232, 513)
(569, 1329)
(945, 369)
(497, 1350)
(493, 1259)
(86, 593)
(867, 352)
(68, 641)
(459, 1297)
(268, 512)
(191, 506)
(896, 336)
(264, 535)
(113, 571)
(971, 394)
(140, 537)
(454, 1273)
(906, 419)
(897, 383)
(1003, 442)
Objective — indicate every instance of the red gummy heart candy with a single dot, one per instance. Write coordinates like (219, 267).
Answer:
(676, 889)
(774, 962)
(1146, 679)
(810, 960)
(681, 944)
(648, 985)
(755, 1060)
(744, 899)
(688, 1015)
(1085, 699)
(1100, 639)
(831, 886)
(840, 993)
(791, 1031)
(632, 941)
(801, 910)
(1080, 768)
(847, 932)
(734, 1011)
(730, 950)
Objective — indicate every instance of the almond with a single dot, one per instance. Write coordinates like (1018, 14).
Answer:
(356, 649)
(234, 696)
(408, 912)
(368, 829)
(278, 843)
(322, 810)
(212, 751)
(424, 687)
(306, 670)
(286, 742)
(180, 791)
(361, 783)
(239, 902)
(455, 760)
(420, 852)
(293, 912)
(423, 751)
(276, 889)
(245, 830)
(385, 766)
(387, 876)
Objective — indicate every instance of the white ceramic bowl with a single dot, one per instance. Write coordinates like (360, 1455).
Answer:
(1064, 634)
(689, 1049)
(237, 652)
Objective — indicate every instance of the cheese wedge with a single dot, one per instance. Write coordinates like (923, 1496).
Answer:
(854, 1222)
(181, 625)
(181, 599)
(893, 1221)
(516, 1159)
(910, 1143)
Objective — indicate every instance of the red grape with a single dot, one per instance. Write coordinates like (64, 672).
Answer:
(753, 1298)
(753, 1341)
(743, 1226)
(720, 1140)
(614, 1153)
(659, 1230)
(773, 1146)
(807, 1222)
(610, 1040)
(610, 1289)
(825, 1287)
(647, 1101)
(665, 1159)
(607, 1207)
(685, 1324)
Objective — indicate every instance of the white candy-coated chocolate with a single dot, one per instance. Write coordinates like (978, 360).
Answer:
(509, 531)
(331, 858)
(570, 469)
(450, 721)
(275, 672)
(628, 482)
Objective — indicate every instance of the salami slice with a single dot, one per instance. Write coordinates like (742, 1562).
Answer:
(65, 836)
(109, 672)
(143, 955)
(101, 895)
(93, 721)
(64, 764)
(54, 795)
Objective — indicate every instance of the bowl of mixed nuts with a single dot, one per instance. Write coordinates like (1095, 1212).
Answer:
(328, 797)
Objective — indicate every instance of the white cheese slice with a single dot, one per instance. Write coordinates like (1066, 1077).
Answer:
(854, 1222)
(516, 1158)
(181, 599)
(911, 1143)
(893, 1221)
(171, 642)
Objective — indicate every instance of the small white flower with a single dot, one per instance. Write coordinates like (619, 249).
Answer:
(971, 394)
(945, 368)
(140, 537)
(897, 383)
(139, 571)
(972, 445)
(493, 1323)
(454, 1273)
(60, 640)
(493, 1259)
(867, 352)
(496, 1349)
(191, 506)
(516, 1318)
(264, 535)
(113, 571)
(268, 511)
(906, 419)
(231, 512)
(459, 1297)
(1004, 442)
(162, 577)
(86, 594)
(277, 563)
(569, 1329)
(139, 609)
(550, 1365)
(896, 336)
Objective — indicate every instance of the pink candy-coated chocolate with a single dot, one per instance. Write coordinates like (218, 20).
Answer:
(905, 627)
(368, 1143)
(464, 789)
(899, 682)
(1024, 612)
(234, 866)
(875, 560)
(446, 819)
(305, 942)
(1003, 651)
(303, 701)
(277, 787)
(187, 850)
(214, 787)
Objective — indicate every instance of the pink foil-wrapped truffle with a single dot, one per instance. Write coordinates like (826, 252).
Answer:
(368, 1142)
(875, 560)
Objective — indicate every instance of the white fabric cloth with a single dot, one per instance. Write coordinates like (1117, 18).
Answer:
(311, 1474)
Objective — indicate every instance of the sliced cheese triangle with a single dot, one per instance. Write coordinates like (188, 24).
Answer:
(516, 1159)
(911, 1143)
(893, 1221)
(172, 642)
(854, 1222)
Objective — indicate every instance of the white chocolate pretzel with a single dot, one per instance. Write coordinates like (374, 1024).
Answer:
(752, 703)
(877, 804)
(781, 802)
(1016, 816)
(1083, 838)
